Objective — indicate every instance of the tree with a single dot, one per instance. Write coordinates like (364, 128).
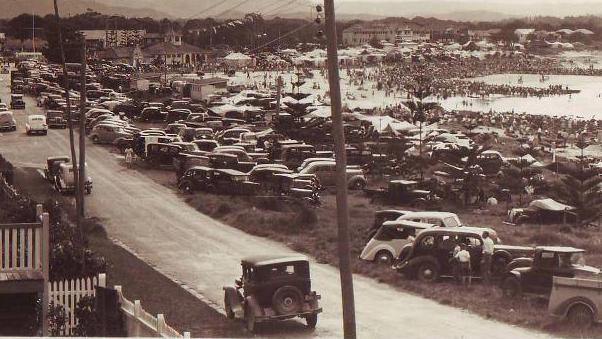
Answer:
(580, 188)
(374, 42)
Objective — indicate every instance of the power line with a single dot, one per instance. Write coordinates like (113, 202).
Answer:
(283, 36)
(217, 4)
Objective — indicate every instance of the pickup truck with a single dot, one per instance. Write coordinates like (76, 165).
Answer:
(577, 300)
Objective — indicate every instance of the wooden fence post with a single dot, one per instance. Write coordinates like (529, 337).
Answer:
(102, 280)
(160, 324)
(137, 314)
(186, 334)
(45, 267)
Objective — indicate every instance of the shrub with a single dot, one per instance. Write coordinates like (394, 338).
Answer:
(222, 210)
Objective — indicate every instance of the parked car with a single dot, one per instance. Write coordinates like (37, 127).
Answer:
(108, 134)
(55, 119)
(577, 300)
(273, 288)
(229, 181)
(325, 171)
(206, 145)
(229, 161)
(380, 217)
(405, 192)
(537, 275)
(159, 154)
(429, 257)
(389, 240)
(36, 124)
(65, 182)
(152, 114)
(194, 179)
(442, 219)
(16, 101)
(52, 167)
(7, 121)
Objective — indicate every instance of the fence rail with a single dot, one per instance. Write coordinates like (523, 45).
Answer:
(20, 247)
(142, 323)
(68, 293)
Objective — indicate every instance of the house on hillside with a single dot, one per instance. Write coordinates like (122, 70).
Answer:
(523, 34)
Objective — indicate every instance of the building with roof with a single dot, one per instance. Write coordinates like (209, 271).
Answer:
(201, 89)
(357, 35)
(523, 34)
(97, 39)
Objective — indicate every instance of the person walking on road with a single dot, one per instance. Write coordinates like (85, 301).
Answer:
(129, 157)
(463, 257)
(486, 258)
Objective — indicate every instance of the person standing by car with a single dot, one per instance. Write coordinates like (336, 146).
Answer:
(486, 258)
(463, 257)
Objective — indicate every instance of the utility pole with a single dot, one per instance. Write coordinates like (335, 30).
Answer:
(341, 166)
(69, 115)
(278, 95)
(82, 135)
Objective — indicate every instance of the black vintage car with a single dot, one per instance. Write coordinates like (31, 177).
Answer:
(273, 288)
(55, 119)
(548, 262)
(404, 192)
(194, 179)
(52, 167)
(158, 154)
(430, 255)
(229, 181)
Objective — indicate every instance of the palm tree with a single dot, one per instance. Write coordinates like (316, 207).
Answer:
(582, 190)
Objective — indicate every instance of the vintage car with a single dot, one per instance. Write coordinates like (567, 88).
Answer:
(429, 256)
(576, 299)
(7, 121)
(380, 217)
(292, 155)
(36, 124)
(405, 192)
(266, 176)
(55, 119)
(229, 161)
(229, 181)
(325, 171)
(537, 275)
(108, 134)
(389, 240)
(194, 179)
(16, 101)
(206, 145)
(542, 211)
(52, 167)
(159, 154)
(273, 288)
(152, 114)
(65, 182)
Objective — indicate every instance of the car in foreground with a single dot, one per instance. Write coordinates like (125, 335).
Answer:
(577, 300)
(36, 124)
(55, 119)
(548, 262)
(273, 288)
(429, 257)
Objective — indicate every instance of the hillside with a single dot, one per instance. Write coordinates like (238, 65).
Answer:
(12, 8)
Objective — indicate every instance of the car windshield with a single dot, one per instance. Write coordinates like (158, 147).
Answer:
(568, 259)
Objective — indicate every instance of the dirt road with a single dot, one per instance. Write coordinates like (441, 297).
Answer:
(204, 254)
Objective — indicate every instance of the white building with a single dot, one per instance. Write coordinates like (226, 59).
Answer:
(358, 35)
(203, 88)
(523, 34)
(104, 38)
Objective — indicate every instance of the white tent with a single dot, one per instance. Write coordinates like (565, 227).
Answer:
(238, 60)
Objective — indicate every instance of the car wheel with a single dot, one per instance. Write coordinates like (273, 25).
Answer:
(287, 300)
(358, 185)
(311, 320)
(580, 316)
(186, 188)
(428, 272)
(228, 307)
(383, 257)
(250, 320)
(511, 287)
(95, 139)
(498, 266)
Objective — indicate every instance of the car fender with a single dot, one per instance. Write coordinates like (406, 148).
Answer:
(371, 253)
(234, 298)
(563, 309)
(502, 254)
(414, 263)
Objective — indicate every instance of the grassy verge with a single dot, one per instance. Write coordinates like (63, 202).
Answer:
(313, 231)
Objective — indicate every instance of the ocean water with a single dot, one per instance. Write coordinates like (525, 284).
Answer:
(586, 104)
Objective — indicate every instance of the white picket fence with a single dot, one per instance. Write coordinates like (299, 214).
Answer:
(68, 293)
(140, 323)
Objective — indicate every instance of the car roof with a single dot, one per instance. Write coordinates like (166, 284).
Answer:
(407, 224)
(201, 168)
(36, 116)
(560, 249)
(229, 171)
(404, 182)
(59, 157)
(457, 230)
(272, 259)
(427, 214)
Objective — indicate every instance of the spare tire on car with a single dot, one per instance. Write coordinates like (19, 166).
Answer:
(287, 300)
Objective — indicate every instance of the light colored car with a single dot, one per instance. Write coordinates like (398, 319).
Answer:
(36, 123)
(107, 134)
(442, 219)
(390, 238)
(325, 171)
(308, 161)
(3, 107)
(7, 121)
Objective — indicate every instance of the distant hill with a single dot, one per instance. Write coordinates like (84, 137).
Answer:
(12, 8)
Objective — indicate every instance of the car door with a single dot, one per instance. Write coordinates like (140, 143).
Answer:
(540, 277)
